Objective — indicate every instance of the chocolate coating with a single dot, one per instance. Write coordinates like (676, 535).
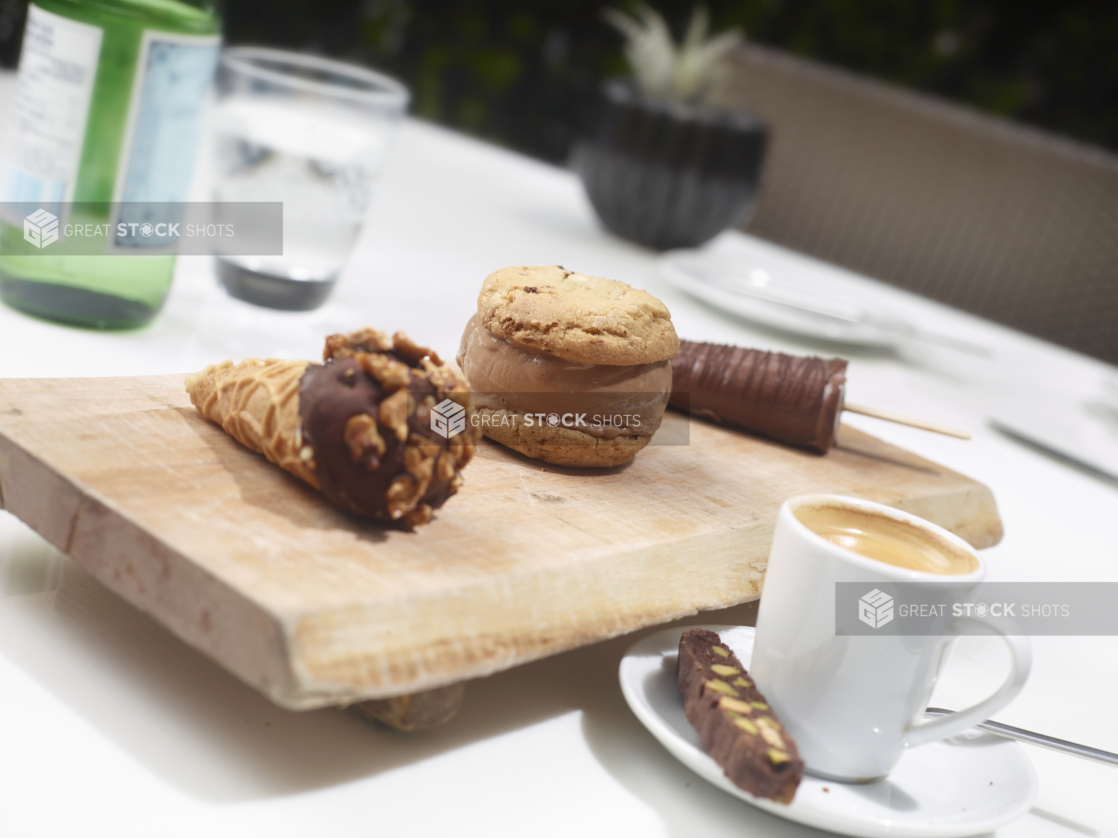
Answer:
(791, 399)
(359, 477)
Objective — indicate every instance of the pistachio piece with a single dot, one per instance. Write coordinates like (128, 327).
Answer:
(741, 682)
(760, 705)
(721, 687)
(734, 705)
(718, 650)
(777, 757)
(769, 731)
(723, 669)
(746, 725)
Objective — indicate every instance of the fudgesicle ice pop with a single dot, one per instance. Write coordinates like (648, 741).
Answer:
(788, 398)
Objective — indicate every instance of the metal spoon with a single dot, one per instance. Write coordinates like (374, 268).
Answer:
(1051, 742)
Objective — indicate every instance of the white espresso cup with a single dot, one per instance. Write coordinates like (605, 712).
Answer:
(854, 703)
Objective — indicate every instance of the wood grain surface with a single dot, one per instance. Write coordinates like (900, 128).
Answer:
(314, 607)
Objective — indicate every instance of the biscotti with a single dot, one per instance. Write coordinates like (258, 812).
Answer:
(736, 725)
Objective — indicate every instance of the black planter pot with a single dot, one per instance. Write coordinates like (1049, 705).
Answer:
(669, 175)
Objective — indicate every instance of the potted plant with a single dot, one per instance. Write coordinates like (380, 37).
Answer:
(662, 165)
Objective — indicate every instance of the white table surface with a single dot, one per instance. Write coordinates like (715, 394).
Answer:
(110, 727)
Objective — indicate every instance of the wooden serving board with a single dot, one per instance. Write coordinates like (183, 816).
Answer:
(313, 607)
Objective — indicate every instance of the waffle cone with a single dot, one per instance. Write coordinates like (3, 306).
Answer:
(257, 403)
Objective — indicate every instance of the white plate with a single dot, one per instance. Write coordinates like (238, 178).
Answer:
(940, 790)
(779, 304)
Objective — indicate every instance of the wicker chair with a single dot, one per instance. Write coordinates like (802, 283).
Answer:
(1003, 221)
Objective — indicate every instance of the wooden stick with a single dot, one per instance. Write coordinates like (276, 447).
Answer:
(905, 420)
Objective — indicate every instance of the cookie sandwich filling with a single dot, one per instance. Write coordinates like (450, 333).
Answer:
(614, 400)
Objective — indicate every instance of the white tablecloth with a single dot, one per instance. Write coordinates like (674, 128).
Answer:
(109, 727)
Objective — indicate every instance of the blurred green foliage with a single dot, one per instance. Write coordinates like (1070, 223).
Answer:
(523, 74)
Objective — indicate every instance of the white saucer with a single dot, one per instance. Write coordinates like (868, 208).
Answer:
(937, 790)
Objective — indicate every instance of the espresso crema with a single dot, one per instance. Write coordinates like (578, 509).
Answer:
(886, 540)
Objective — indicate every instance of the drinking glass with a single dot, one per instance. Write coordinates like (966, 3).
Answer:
(316, 135)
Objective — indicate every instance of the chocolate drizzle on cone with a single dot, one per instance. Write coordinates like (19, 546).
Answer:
(792, 399)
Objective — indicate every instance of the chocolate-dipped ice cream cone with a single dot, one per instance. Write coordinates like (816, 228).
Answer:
(382, 427)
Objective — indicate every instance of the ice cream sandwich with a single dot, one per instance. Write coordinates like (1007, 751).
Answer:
(568, 368)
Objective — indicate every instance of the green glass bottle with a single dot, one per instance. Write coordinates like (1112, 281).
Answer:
(108, 115)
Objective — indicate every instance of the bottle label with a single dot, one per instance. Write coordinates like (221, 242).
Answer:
(169, 90)
(56, 73)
